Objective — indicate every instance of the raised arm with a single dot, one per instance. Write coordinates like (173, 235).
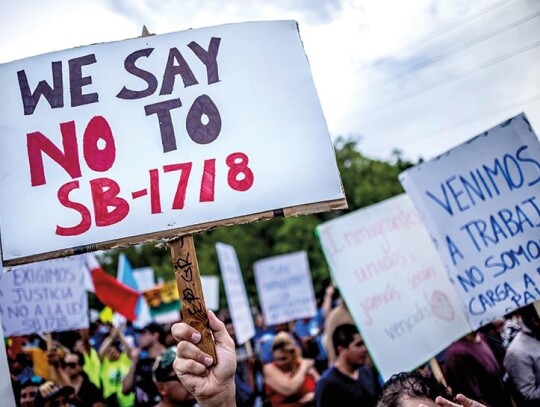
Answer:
(212, 385)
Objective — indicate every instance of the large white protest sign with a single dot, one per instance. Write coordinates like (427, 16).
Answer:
(153, 136)
(48, 296)
(394, 284)
(285, 288)
(481, 204)
(235, 290)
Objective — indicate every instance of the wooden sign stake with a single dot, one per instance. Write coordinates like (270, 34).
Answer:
(188, 281)
(437, 372)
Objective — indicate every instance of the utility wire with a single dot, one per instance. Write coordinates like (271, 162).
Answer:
(486, 115)
(428, 88)
(452, 26)
(454, 50)
(430, 37)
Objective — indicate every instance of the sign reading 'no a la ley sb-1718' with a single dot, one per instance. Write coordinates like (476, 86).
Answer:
(126, 142)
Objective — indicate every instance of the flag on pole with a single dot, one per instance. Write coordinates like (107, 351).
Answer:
(126, 275)
(110, 291)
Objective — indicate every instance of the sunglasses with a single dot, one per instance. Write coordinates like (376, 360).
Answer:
(71, 365)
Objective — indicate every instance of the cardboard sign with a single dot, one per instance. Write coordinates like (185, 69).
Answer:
(285, 288)
(481, 204)
(235, 290)
(159, 136)
(394, 284)
(47, 296)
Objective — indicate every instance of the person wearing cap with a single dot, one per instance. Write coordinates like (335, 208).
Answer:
(50, 394)
(139, 377)
(170, 388)
(29, 390)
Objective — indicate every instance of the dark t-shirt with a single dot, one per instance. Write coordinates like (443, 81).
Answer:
(337, 389)
(88, 394)
(146, 393)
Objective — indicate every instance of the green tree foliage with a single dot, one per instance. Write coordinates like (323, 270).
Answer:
(366, 181)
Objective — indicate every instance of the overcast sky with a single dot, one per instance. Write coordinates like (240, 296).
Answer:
(421, 76)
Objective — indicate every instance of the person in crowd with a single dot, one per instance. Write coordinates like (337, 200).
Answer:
(211, 384)
(264, 335)
(36, 349)
(92, 364)
(169, 338)
(472, 369)
(290, 380)
(349, 382)
(96, 334)
(244, 378)
(114, 354)
(309, 331)
(411, 389)
(29, 390)
(20, 367)
(512, 327)
(50, 394)
(336, 316)
(492, 333)
(139, 377)
(522, 360)
(73, 375)
(170, 388)
(264, 346)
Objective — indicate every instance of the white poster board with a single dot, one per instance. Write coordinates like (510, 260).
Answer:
(394, 284)
(48, 296)
(235, 290)
(481, 204)
(210, 287)
(285, 288)
(144, 138)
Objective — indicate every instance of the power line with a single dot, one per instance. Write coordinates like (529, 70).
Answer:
(435, 34)
(488, 64)
(490, 113)
(443, 55)
(452, 26)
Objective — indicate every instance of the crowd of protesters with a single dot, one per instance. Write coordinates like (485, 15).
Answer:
(319, 361)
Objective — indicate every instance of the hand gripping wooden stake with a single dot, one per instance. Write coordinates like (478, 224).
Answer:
(188, 281)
